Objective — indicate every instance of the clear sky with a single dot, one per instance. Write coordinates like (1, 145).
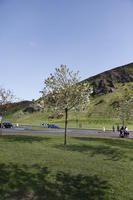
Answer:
(38, 35)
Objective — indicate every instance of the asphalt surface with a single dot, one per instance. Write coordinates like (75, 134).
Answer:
(71, 132)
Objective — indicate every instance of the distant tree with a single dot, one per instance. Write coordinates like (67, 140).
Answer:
(63, 92)
(6, 96)
(124, 106)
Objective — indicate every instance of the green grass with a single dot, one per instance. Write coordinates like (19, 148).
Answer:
(99, 114)
(40, 167)
(96, 122)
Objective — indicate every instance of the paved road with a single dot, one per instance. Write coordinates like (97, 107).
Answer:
(72, 132)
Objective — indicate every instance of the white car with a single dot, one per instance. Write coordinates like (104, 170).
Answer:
(45, 125)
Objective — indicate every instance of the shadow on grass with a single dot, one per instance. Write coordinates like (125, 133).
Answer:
(113, 154)
(122, 143)
(20, 183)
(24, 138)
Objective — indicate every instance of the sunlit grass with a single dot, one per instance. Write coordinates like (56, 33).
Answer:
(41, 167)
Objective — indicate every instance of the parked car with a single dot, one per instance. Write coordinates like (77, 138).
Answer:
(6, 125)
(53, 126)
(45, 125)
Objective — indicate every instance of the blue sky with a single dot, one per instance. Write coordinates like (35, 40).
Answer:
(38, 35)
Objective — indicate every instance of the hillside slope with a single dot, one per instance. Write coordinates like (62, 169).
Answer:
(111, 89)
(11, 108)
(105, 82)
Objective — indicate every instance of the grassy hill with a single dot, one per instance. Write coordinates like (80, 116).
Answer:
(111, 89)
(11, 108)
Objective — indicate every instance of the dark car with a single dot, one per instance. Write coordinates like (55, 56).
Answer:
(6, 125)
(53, 126)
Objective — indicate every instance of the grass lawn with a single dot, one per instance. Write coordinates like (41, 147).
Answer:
(103, 111)
(98, 122)
(88, 168)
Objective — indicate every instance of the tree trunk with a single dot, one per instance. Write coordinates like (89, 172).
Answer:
(1, 128)
(65, 136)
(123, 120)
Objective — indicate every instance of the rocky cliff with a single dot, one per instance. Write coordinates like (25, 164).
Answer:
(105, 82)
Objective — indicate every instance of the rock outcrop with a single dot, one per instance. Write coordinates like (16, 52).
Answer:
(105, 82)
